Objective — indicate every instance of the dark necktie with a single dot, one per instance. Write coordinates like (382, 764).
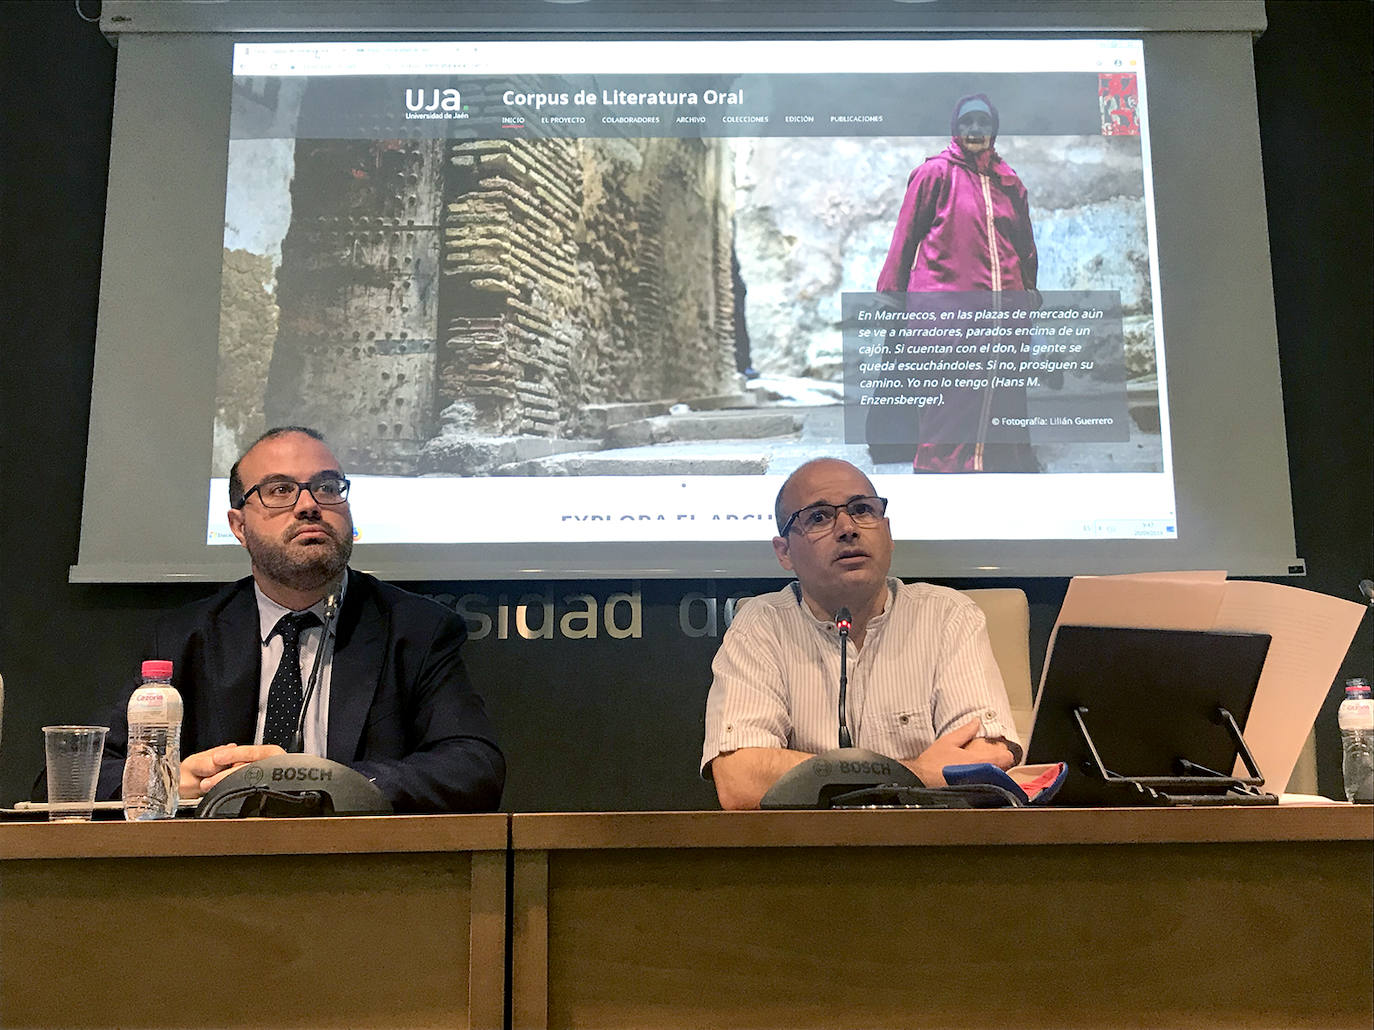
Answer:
(284, 695)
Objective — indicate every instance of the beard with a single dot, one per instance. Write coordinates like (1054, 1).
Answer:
(300, 567)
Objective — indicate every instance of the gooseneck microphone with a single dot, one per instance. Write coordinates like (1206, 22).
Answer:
(841, 776)
(331, 608)
(842, 623)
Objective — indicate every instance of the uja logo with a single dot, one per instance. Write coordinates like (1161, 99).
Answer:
(434, 100)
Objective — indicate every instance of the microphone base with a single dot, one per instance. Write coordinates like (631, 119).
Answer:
(293, 785)
(815, 782)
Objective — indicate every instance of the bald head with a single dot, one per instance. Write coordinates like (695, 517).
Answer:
(786, 504)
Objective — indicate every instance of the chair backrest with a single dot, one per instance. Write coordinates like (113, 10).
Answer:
(1304, 777)
(1008, 616)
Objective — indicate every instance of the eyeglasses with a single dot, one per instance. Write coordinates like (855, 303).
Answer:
(815, 519)
(326, 488)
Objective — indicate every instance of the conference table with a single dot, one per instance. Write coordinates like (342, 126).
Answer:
(1206, 917)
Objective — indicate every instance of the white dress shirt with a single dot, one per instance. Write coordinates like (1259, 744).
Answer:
(925, 667)
(316, 736)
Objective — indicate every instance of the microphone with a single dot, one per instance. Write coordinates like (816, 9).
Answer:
(331, 608)
(842, 623)
(1367, 588)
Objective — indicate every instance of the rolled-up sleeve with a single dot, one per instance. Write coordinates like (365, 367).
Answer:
(747, 705)
(969, 683)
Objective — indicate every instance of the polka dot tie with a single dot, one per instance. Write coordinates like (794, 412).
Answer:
(284, 695)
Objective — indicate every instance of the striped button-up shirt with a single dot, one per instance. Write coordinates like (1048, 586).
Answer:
(925, 667)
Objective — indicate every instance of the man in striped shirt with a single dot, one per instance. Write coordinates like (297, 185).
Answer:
(923, 686)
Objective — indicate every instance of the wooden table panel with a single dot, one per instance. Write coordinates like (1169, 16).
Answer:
(1132, 933)
(326, 938)
(924, 828)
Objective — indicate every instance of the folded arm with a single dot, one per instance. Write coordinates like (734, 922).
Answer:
(969, 688)
(742, 777)
(960, 746)
(748, 723)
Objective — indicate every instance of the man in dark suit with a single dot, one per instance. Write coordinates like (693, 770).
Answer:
(393, 699)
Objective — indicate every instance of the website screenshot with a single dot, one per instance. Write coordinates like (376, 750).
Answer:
(603, 291)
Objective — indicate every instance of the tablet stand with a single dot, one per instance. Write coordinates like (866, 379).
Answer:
(1194, 784)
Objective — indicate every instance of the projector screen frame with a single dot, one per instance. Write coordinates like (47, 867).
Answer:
(104, 559)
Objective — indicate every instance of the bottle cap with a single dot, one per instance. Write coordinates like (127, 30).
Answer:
(156, 669)
(1357, 685)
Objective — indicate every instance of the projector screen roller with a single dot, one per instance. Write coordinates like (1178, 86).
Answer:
(576, 308)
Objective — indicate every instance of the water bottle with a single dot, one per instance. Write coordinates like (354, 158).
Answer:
(152, 770)
(1356, 718)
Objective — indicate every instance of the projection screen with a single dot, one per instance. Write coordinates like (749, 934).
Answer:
(575, 307)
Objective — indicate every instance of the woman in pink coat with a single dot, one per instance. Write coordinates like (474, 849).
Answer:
(965, 225)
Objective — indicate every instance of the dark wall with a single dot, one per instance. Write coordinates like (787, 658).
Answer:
(609, 723)
(1313, 70)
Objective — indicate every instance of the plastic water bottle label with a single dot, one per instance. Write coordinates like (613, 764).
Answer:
(1356, 713)
(155, 704)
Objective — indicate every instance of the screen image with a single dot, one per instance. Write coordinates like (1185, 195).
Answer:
(616, 291)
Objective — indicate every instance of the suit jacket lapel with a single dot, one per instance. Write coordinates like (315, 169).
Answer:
(236, 658)
(359, 650)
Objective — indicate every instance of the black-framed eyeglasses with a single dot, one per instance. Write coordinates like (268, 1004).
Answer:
(279, 492)
(815, 519)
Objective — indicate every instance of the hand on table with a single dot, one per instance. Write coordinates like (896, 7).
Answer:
(201, 771)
